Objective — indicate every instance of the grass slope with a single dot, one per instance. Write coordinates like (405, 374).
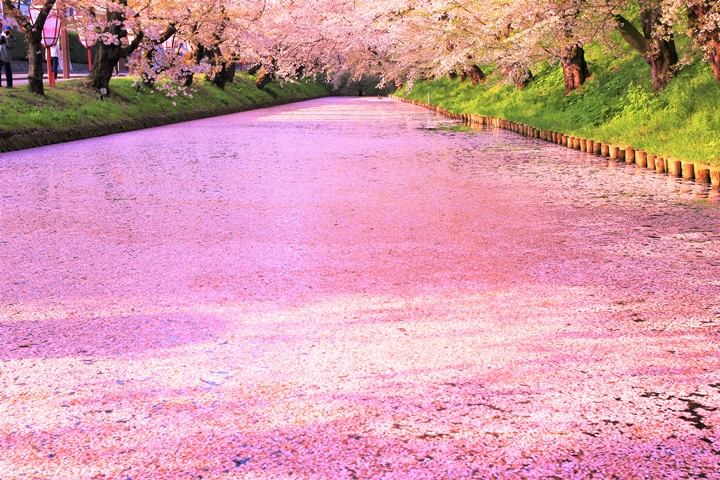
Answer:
(616, 105)
(72, 111)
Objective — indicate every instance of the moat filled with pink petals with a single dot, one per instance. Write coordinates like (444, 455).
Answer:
(350, 288)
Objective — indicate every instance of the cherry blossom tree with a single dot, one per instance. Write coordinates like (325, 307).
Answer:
(116, 23)
(402, 40)
(703, 26)
(655, 42)
(553, 32)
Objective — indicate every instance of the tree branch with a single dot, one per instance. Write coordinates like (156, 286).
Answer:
(631, 35)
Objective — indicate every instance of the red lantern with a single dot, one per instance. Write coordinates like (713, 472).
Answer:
(171, 47)
(50, 34)
(169, 44)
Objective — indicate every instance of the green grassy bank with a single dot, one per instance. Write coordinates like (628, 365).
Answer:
(71, 111)
(616, 105)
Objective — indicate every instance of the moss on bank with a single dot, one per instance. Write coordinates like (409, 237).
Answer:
(616, 105)
(71, 111)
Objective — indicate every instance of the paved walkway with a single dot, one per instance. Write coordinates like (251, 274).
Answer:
(21, 78)
(344, 288)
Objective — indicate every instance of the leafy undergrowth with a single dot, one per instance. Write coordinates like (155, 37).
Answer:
(616, 105)
(71, 105)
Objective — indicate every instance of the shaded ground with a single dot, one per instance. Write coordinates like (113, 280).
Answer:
(369, 85)
(344, 288)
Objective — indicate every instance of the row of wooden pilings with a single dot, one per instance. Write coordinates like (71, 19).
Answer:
(677, 168)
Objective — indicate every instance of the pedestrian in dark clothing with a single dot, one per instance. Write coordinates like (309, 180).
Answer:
(7, 45)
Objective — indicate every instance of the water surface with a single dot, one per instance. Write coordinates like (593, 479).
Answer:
(348, 288)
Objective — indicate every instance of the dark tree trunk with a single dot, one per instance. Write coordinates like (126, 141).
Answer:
(521, 77)
(254, 69)
(187, 78)
(714, 57)
(265, 76)
(475, 73)
(658, 52)
(35, 63)
(575, 69)
(661, 63)
(452, 74)
(225, 75)
(266, 73)
(106, 58)
(222, 71)
(104, 63)
(661, 54)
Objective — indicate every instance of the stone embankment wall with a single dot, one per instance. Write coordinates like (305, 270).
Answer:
(688, 170)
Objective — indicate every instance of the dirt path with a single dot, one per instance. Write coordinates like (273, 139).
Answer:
(343, 288)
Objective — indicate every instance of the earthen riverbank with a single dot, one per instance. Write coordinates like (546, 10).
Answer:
(71, 111)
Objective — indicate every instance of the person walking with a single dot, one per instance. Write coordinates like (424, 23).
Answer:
(55, 53)
(7, 45)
